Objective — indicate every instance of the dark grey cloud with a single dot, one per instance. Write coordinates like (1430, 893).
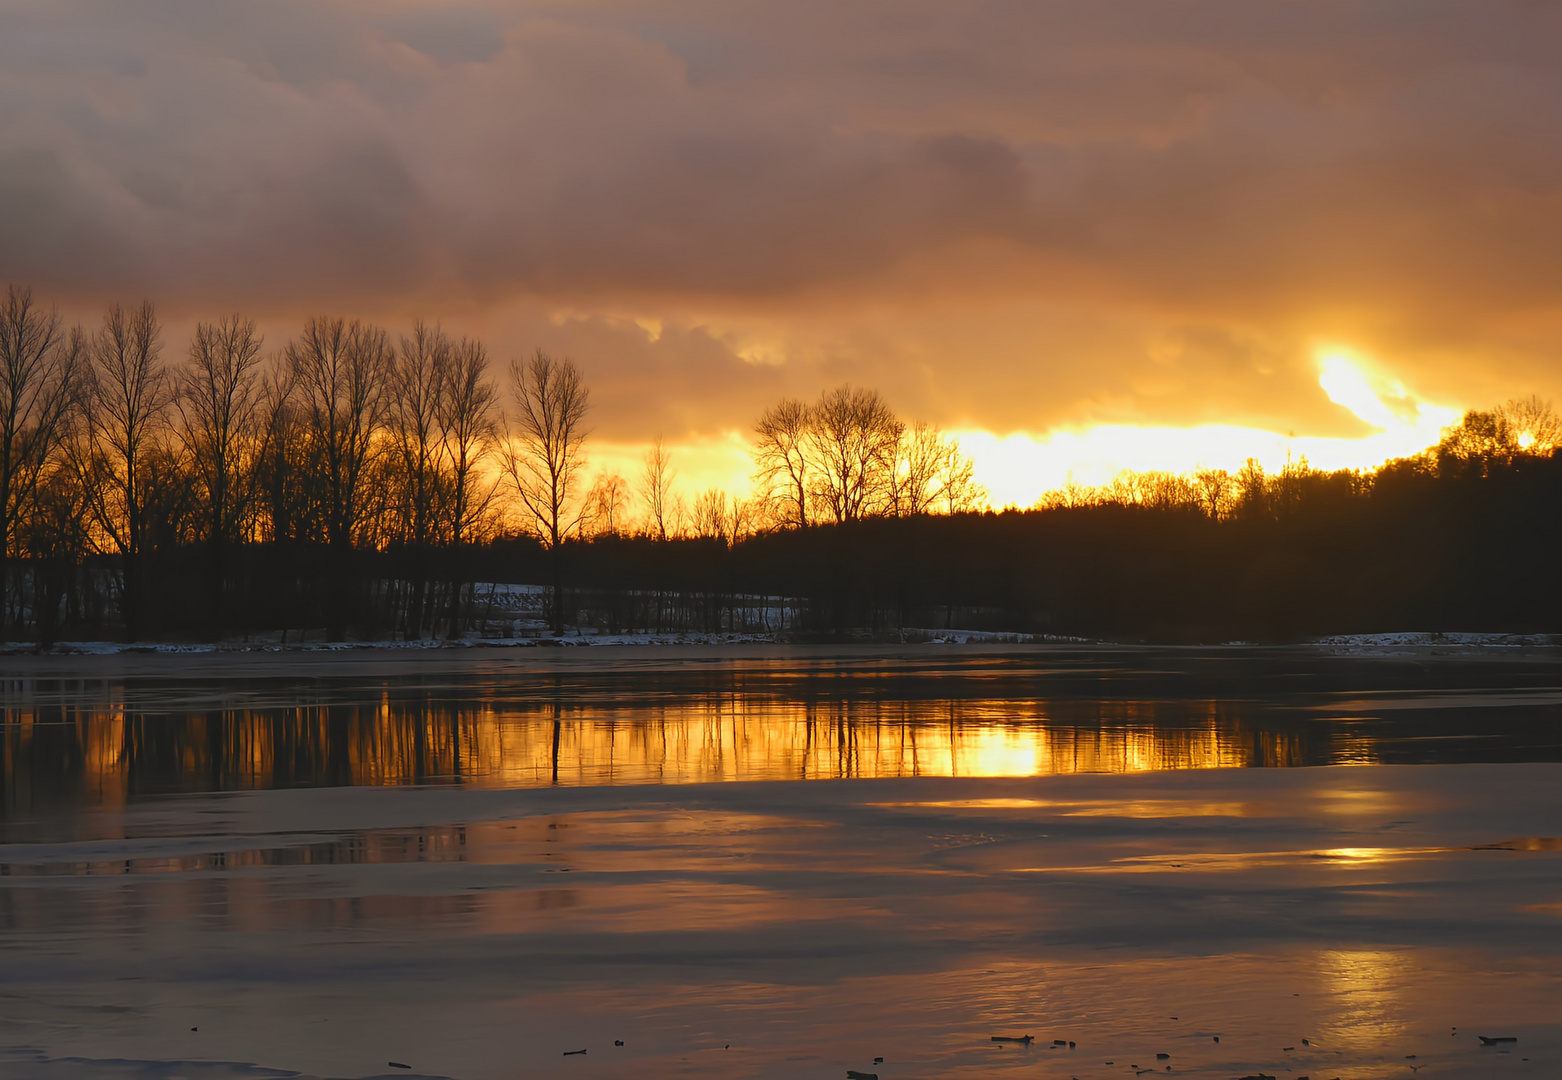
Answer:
(1009, 213)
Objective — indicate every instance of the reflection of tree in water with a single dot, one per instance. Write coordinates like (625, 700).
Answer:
(78, 754)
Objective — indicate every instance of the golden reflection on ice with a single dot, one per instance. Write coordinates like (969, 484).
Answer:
(1130, 808)
(799, 742)
(701, 738)
(1239, 861)
(1161, 808)
(1367, 1011)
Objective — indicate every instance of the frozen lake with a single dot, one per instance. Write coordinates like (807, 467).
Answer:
(769, 862)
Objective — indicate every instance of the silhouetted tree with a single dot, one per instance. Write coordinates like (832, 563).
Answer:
(656, 489)
(1534, 425)
(1216, 492)
(39, 366)
(1071, 496)
(958, 490)
(124, 403)
(608, 500)
(419, 378)
(340, 374)
(1252, 499)
(741, 515)
(417, 383)
(921, 457)
(543, 453)
(852, 439)
(710, 515)
(783, 477)
(55, 535)
(1482, 439)
(284, 503)
(219, 399)
(468, 430)
(544, 445)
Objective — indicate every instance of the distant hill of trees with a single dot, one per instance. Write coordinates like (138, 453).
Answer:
(356, 484)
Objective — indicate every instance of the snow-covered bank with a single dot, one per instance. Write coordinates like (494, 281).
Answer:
(573, 638)
(1424, 640)
(1339, 644)
(273, 645)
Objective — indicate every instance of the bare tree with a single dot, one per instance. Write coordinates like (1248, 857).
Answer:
(55, 535)
(543, 452)
(1072, 495)
(466, 411)
(1533, 425)
(418, 383)
(740, 520)
(544, 448)
(419, 378)
(124, 410)
(1168, 491)
(1123, 489)
(656, 489)
(1217, 491)
(467, 432)
(39, 365)
(783, 471)
(853, 439)
(958, 489)
(340, 372)
(282, 450)
(921, 459)
(608, 500)
(219, 401)
(1252, 498)
(1479, 440)
(710, 514)
(1286, 488)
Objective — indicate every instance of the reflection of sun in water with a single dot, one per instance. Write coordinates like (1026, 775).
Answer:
(995, 751)
(1365, 986)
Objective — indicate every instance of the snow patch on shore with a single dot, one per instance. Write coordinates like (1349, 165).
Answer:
(1421, 639)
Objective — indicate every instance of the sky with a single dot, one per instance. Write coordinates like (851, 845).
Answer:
(1082, 235)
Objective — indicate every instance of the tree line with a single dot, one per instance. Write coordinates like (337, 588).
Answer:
(1482, 441)
(353, 482)
(1462, 538)
(119, 469)
(352, 477)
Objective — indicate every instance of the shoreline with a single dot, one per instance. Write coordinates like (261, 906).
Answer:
(651, 652)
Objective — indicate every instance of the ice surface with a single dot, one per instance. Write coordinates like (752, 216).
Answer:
(784, 928)
(806, 926)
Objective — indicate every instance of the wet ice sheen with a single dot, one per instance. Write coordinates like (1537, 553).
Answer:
(778, 927)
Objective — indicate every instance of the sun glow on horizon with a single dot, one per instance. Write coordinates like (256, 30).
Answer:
(1017, 469)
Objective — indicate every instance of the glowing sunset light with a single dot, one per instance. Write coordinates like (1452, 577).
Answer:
(1348, 387)
(1069, 296)
(1018, 468)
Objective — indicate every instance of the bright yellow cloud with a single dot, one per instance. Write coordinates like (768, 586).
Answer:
(1017, 469)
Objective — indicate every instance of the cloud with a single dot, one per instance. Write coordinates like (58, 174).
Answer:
(1006, 216)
